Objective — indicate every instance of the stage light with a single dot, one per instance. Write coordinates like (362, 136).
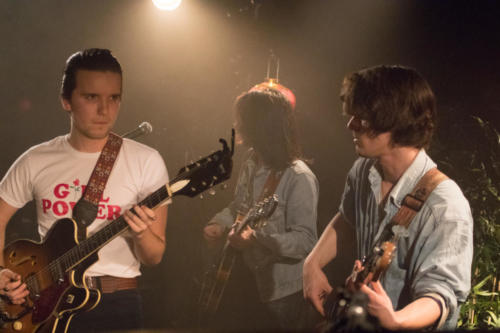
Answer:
(167, 4)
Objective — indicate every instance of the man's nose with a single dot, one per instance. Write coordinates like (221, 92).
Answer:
(103, 106)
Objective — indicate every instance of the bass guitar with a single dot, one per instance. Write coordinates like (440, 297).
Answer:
(345, 307)
(215, 279)
(54, 269)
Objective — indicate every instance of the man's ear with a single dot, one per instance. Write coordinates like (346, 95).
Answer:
(65, 104)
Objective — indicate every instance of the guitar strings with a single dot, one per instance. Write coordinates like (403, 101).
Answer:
(100, 238)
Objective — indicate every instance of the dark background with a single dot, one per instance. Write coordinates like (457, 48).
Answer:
(183, 69)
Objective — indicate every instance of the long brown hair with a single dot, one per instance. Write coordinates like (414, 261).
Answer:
(266, 122)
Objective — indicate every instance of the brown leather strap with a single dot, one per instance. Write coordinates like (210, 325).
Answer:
(413, 202)
(270, 186)
(85, 210)
(109, 284)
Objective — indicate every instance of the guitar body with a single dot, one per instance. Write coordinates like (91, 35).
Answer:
(54, 269)
(216, 278)
(55, 295)
(338, 303)
(214, 284)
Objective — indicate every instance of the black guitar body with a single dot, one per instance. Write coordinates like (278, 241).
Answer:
(215, 280)
(346, 311)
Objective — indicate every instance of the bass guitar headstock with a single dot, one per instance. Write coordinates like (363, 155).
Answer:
(375, 264)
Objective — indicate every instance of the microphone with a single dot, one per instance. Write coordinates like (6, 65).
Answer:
(143, 129)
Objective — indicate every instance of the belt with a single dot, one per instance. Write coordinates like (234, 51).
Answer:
(109, 284)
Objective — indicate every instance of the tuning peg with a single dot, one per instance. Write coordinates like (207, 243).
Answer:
(211, 191)
(378, 251)
(201, 196)
(223, 186)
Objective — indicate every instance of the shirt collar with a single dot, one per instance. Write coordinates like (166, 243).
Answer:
(411, 176)
(420, 165)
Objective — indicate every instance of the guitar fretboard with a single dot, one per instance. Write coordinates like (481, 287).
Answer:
(58, 267)
(107, 233)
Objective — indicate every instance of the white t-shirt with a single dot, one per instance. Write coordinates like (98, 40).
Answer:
(54, 174)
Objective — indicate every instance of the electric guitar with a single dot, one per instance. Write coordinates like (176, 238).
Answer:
(345, 308)
(54, 269)
(215, 279)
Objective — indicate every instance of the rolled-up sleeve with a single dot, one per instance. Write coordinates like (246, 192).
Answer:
(446, 269)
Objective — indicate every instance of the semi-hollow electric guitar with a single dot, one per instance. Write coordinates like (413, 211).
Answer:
(215, 279)
(54, 269)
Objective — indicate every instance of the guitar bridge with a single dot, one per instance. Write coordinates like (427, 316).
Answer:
(70, 299)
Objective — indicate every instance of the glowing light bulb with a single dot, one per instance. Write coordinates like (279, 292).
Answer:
(167, 4)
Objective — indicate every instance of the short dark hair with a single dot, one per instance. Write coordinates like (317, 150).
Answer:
(89, 59)
(266, 121)
(393, 99)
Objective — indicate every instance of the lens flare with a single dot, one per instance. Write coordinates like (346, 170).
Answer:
(167, 4)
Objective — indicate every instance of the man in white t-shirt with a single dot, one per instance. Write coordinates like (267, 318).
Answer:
(55, 174)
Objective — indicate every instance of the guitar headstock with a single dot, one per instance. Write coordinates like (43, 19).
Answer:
(261, 210)
(206, 172)
(375, 264)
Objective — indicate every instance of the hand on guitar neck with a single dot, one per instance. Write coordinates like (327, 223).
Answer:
(238, 240)
(352, 283)
(140, 221)
(243, 239)
(372, 267)
(363, 286)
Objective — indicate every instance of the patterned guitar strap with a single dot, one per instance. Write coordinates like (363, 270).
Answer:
(85, 210)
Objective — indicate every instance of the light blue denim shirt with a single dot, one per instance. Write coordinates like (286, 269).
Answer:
(436, 257)
(277, 256)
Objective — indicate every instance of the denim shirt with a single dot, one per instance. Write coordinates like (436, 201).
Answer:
(282, 244)
(436, 256)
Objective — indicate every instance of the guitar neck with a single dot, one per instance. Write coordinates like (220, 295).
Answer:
(95, 242)
(378, 261)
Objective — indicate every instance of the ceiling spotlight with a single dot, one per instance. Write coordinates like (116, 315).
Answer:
(167, 4)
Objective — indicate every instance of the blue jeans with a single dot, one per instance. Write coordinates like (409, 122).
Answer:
(288, 313)
(121, 310)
